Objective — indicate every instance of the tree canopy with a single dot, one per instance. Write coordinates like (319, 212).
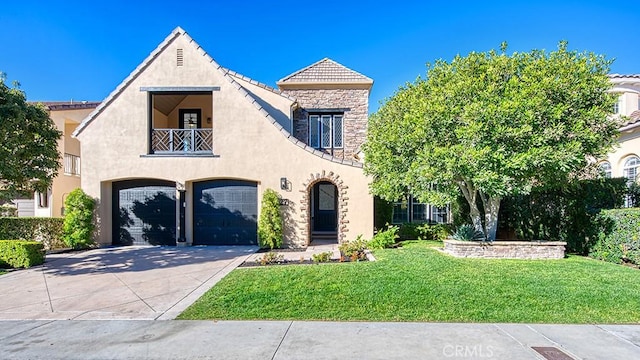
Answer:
(29, 158)
(491, 125)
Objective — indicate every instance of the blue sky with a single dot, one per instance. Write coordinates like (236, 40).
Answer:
(81, 50)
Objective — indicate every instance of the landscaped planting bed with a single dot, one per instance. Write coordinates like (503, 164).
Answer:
(418, 283)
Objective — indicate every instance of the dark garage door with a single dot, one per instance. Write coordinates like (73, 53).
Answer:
(144, 212)
(225, 212)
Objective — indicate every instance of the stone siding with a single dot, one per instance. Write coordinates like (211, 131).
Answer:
(506, 249)
(353, 102)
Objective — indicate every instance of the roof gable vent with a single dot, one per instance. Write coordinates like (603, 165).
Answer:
(179, 57)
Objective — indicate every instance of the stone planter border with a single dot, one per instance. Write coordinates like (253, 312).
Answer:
(529, 250)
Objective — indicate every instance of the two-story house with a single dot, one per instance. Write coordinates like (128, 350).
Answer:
(183, 149)
(624, 160)
(66, 115)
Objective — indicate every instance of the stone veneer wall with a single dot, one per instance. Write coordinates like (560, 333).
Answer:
(305, 206)
(353, 102)
(506, 249)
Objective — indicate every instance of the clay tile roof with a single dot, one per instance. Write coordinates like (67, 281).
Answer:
(326, 71)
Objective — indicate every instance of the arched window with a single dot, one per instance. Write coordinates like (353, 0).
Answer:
(605, 168)
(630, 169)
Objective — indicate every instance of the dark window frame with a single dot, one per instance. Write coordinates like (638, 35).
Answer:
(319, 130)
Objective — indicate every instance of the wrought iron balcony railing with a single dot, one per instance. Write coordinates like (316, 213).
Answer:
(181, 141)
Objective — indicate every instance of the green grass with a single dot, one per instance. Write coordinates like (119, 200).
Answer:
(417, 283)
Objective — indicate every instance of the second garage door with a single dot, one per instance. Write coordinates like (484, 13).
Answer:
(225, 212)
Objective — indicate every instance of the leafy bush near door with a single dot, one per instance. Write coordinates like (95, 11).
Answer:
(78, 220)
(619, 236)
(354, 249)
(270, 223)
(384, 239)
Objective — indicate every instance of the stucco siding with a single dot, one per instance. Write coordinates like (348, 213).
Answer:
(246, 146)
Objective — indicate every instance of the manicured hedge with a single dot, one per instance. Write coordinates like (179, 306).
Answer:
(619, 237)
(48, 231)
(20, 253)
(563, 213)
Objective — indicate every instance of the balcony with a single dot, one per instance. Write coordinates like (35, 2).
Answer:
(71, 164)
(182, 141)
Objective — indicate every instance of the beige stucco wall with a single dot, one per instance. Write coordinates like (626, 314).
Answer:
(247, 146)
(65, 121)
(628, 145)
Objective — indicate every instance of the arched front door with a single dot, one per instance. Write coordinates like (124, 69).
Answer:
(324, 211)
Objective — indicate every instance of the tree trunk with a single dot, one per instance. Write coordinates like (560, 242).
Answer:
(470, 193)
(491, 209)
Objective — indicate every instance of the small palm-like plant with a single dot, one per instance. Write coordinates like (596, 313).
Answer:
(468, 233)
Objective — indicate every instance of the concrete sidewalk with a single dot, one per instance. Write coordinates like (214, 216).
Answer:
(311, 340)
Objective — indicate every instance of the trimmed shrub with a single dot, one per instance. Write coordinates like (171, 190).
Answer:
(384, 239)
(354, 249)
(78, 220)
(437, 232)
(322, 257)
(568, 213)
(48, 231)
(21, 253)
(619, 237)
(270, 223)
(409, 231)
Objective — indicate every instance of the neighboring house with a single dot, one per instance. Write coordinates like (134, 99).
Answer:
(183, 149)
(66, 115)
(624, 160)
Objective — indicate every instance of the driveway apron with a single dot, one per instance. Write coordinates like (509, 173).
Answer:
(135, 283)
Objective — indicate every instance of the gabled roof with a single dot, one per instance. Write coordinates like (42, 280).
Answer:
(258, 84)
(325, 71)
(178, 31)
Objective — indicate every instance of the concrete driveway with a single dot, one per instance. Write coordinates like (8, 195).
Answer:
(142, 283)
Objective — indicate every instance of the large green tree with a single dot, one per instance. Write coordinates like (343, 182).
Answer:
(29, 158)
(490, 125)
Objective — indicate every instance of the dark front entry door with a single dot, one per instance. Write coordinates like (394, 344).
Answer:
(144, 212)
(225, 212)
(325, 204)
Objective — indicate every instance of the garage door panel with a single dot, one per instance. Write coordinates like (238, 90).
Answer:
(144, 213)
(225, 213)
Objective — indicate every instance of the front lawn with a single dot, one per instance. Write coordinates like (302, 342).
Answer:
(418, 283)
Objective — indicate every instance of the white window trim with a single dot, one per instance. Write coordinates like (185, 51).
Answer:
(627, 167)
